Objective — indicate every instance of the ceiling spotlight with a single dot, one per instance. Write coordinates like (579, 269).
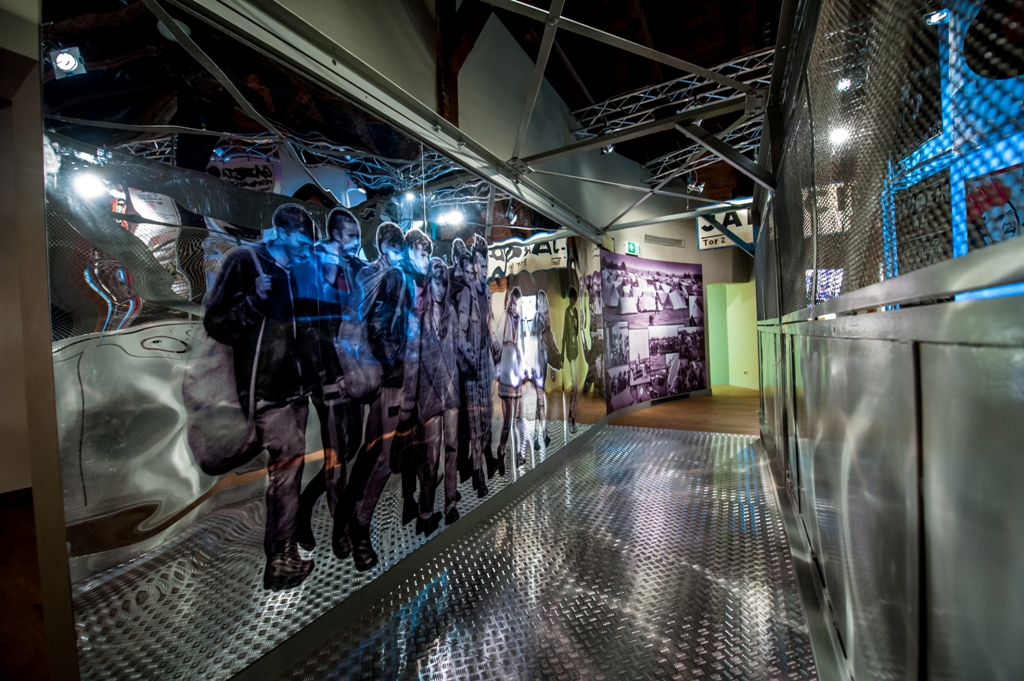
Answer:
(451, 218)
(838, 136)
(844, 84)
(88, 186)
(936, 18)
(67, 62)
(409, 196)
(607, 149)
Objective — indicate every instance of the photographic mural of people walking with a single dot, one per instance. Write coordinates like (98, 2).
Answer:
(403, 361)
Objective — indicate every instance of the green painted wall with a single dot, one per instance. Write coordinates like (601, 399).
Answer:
(741, 316)
(732, 334)
(718, 335)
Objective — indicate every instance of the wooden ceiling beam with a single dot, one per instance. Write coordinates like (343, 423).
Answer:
(456, 32)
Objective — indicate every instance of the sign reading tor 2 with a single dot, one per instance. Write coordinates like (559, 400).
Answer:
(736, 221)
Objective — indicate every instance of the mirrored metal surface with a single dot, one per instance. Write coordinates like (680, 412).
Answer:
(971, 406)
(855, 414)
(655, 554)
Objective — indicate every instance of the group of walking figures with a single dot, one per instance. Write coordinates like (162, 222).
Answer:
(403, 345)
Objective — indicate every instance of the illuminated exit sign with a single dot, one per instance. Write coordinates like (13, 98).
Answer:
(632, 248)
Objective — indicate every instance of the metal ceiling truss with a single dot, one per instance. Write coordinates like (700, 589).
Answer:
(368, 170)
(728, 154)
(687, 92)
(637, 131)
(740, 85)
(615, 41)
(745, 139)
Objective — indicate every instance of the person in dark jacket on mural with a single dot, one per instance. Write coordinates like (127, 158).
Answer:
(431, 392)
(385, 308)
(476, 362)
(263, 312)
(341, 418)
(410, 444)
(461, 274)
(570, 356)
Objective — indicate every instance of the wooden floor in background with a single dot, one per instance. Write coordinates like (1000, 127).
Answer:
(727, 410)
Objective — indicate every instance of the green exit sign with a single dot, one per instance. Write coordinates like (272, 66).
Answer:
(632, 248)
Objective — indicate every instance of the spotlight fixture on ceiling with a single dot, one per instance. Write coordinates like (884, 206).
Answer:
(607, 149)
(67, 62)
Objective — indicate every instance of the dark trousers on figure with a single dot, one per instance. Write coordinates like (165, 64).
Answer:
(282, 431)
(440, 432)
(373, 467)
(341, 432)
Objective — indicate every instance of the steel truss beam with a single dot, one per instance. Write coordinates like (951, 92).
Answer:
(701, 113)
(728, 154)
(668, 177)
(744, 138)
(547, 40)
(688, 197)
(621, 43)
(699, 212)
(638, 106)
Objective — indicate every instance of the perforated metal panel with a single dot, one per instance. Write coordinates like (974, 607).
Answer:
(875, 97)
(793, 215)
(912, 132)
(766, 271)
(657, 554)
(924, 224)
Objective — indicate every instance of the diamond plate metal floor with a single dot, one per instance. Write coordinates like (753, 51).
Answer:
(196, 609)
(653, 554)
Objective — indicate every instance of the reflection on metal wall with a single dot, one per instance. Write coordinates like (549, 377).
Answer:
(897, 427)
(974, 513)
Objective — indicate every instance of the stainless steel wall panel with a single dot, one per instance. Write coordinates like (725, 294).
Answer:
(972, 402)
(768, 379)
(857, 442)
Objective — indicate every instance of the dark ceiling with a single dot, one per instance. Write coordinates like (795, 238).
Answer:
(583, 71)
